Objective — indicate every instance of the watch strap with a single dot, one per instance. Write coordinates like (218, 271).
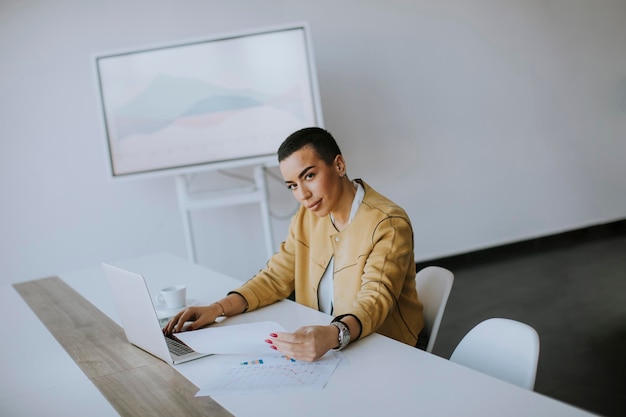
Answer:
(352, 336)
(344, 334)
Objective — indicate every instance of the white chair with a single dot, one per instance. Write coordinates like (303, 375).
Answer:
(503, 348)
(433, 289)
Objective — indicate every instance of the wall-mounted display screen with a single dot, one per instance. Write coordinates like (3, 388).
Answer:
(222, 99)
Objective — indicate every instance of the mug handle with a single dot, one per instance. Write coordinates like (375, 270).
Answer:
(160, 299)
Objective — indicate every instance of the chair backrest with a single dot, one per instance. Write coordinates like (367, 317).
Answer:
(433, 289)
(503, 348)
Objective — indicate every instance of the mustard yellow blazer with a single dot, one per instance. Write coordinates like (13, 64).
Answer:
(374, 276)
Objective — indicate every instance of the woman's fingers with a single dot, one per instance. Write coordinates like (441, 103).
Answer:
(198, 316)
(307, 343)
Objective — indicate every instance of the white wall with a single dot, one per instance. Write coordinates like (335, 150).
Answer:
(489, 121)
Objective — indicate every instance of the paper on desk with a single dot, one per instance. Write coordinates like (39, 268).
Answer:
(233, 339)
(271, 372)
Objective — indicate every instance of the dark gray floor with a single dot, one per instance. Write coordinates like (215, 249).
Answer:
(572, 289)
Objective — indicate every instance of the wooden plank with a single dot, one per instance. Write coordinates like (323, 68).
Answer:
(133, 381)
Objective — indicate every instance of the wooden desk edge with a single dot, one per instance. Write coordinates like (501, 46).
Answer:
(133, 381)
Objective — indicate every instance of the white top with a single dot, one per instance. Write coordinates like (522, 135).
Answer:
(325, 292)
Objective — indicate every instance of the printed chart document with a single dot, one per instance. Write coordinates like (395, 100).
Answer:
(232, 339)
(271, 372)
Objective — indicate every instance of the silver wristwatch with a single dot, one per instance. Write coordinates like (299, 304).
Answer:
(344, 334)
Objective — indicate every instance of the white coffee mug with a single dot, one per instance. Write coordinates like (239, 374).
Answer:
(173, 297)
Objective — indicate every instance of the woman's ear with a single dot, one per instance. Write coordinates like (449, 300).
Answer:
(340, 165)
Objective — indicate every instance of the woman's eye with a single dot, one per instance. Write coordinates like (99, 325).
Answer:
(291, 187)
(309, 176)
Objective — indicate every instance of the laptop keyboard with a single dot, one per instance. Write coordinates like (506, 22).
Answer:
(177, 347)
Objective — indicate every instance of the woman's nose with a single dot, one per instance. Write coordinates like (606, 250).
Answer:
(303, 194)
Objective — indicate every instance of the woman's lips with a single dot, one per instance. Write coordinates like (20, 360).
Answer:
(314, 206)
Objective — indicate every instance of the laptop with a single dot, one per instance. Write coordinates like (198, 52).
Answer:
(139, 318)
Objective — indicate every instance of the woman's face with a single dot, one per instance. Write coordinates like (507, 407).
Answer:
(314, 184)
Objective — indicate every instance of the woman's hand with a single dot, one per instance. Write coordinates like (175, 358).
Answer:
(308, 343)
(231, 305)
(198, 316)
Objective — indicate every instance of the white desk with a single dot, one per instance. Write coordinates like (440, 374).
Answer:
(38, 378)
(382, 376)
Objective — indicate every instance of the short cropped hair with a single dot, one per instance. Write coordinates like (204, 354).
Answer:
(317, 138)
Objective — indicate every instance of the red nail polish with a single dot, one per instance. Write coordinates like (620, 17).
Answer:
(273, 335)
(268, 341)
(273, 347)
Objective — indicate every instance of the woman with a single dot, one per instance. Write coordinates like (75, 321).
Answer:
(349, 253)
